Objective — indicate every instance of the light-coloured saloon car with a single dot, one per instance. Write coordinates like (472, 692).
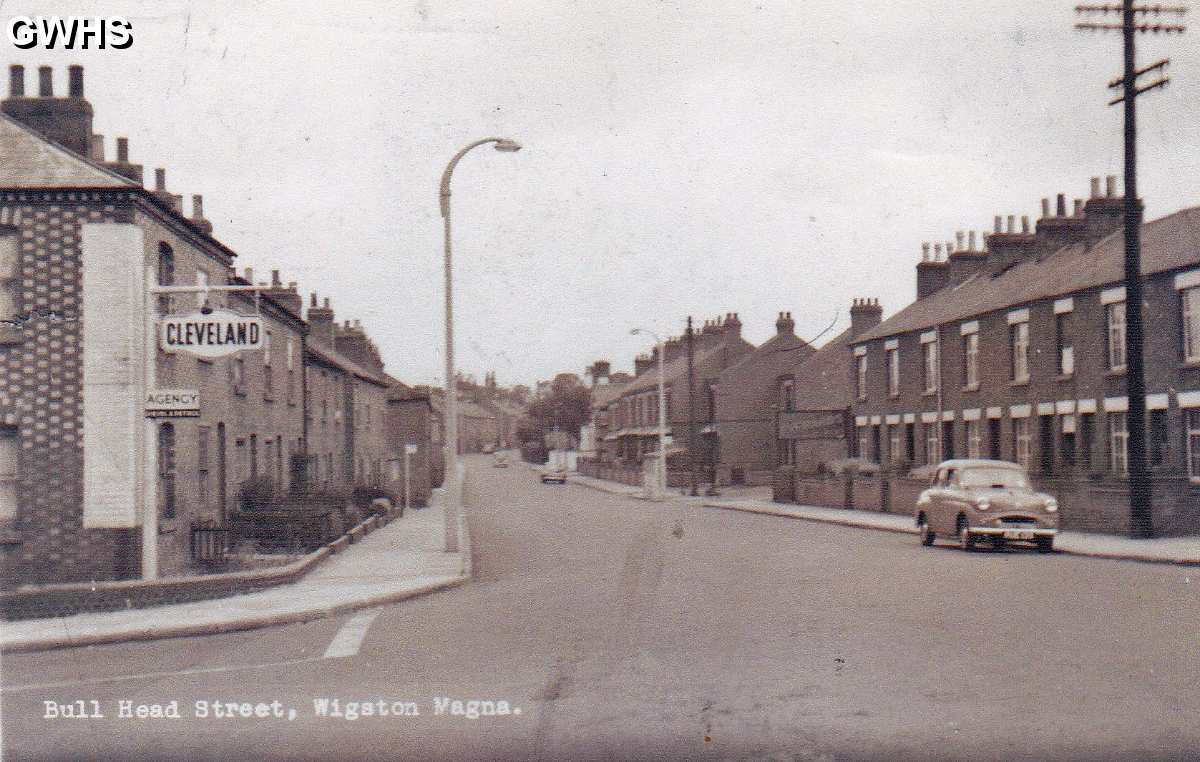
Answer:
(988, 500)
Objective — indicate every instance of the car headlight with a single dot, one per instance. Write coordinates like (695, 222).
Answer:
(1051, 505)
(923, 499)
(983, 505)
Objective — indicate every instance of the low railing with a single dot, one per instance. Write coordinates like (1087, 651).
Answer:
(210, 543)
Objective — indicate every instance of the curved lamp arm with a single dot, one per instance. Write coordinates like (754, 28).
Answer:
(502, 144)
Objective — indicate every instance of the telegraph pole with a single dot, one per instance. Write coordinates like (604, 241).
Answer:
(691, 433)
(1141, 523)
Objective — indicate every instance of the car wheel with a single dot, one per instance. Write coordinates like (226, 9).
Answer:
(1045, 545)
(965, 540)
(927, 535)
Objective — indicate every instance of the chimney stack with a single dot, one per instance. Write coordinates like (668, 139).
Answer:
(286, 297)
(865, 314)
(1061, 206)
(16, 81)
(123, 150)
(932, 274)
(75, 81)
(98, 148)
(198, 218)
(1095, 188)
(784, 325)
(122, 166)
(1110, 186)
(320, 322)
(160, 180)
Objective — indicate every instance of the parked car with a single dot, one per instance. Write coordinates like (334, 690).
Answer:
(556, 474)
(986, 500)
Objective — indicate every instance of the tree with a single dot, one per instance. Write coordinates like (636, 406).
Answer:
(566, 408)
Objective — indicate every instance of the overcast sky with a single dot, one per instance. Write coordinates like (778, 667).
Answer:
(680, 157)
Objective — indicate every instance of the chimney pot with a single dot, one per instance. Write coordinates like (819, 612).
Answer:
(1025, 223)
(1078, 207)
(998, 224)
(45, 81)
(160, 179)
(249, 275)
(971, 240)
(1045, 208)
(346, 325)
(275, 278)
(1095, 187)
(123, 150)
(313, 299)
(925, 252)
(197, 206)
(291, 285)
(949, 247)
(958, 240)
(937, 252)
(1060, 206)
(1012, 223)
(326, 302)
(75, 81)
(1111, 186)
(97, 148)
(16, 80)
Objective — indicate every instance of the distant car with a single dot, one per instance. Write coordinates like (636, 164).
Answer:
(501, 461)
(488, 449)
(986, 500)
(556, 474)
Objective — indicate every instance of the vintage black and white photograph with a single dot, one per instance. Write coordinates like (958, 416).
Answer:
(580, 380)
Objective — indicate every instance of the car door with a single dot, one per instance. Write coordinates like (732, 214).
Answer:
(936, 510)
(955, 499)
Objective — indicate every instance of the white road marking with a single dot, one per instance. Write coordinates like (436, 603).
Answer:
(153, 675)
(349, 639)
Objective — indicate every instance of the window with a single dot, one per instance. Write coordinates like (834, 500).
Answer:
(974, 439)
(166, 471)
(994, 439)
(910, 442)
(10, 447)
(876, 444)
(1087, 436)
(1067, 448)
(268, 385)
(253, 455)
(1066, 352)
(862, 377)
(933, 450)
(1191, 323)
(166, 276)
(238, 369)
(202, 467)
(201, 280)
(893, 363)
(1116, 335)
(894, 452)
(279, 461)
(268, 456)
(929, 366)
(948, 440)
(787, 454)
(1019, 334)
(863, 441)
(1192, 425)
(291, 373)
(10, 270)
(971, 360)
(1021, 439)
(1118, 443)
(787, 400)
(1158, 437)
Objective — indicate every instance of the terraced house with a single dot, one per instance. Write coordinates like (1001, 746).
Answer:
(1018, 352)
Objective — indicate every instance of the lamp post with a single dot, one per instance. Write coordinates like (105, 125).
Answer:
(660, 480)
(454, 496)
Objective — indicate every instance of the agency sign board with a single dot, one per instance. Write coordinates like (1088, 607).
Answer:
(216, 334)
(173, 403)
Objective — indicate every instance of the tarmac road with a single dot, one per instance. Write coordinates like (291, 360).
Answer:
(622, 629)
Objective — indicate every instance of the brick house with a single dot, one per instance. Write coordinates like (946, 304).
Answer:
(410, 423)
(1018, 352)
(750, 395)
(77, 233)
(632, 415)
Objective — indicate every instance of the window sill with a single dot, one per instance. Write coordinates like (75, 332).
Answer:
(1065, 377)
(166, 526)
(1114, 373)
(929, 393)
(970, 388)
(268, 398)
(1190, 365)
(1019, 382)
(895, 396)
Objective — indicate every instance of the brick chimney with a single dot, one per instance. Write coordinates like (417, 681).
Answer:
(642, 363)
(122, 166)
(287, 296)
(1059, 229)
(676, 347)
(1006, 247)
(601, 370)
(320, 322)
(66, 121)
(353, 342)
(784, 325)
(933, 273)
(200, 221)
(965, 260)
(733, 326)
(865, 314)
(1103, 213)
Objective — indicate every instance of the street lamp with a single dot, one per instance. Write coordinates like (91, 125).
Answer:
(454, 496)
(660, 480)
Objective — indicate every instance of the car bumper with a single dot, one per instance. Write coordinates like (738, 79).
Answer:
(1015, 533)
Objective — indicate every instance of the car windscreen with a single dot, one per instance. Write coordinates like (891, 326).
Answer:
(992, 477)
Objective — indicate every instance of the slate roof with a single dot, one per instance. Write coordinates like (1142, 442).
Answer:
(672, 371)
(337, 359)
(823, 380)
(1168, 243)
(32, 161)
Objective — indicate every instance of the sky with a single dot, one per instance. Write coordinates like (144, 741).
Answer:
(680, 158)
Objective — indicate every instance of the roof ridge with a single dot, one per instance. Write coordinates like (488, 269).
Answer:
(69, 153)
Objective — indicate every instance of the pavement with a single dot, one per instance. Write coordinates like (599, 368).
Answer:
(621, 629)
(1167, 550)
(401, 560)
